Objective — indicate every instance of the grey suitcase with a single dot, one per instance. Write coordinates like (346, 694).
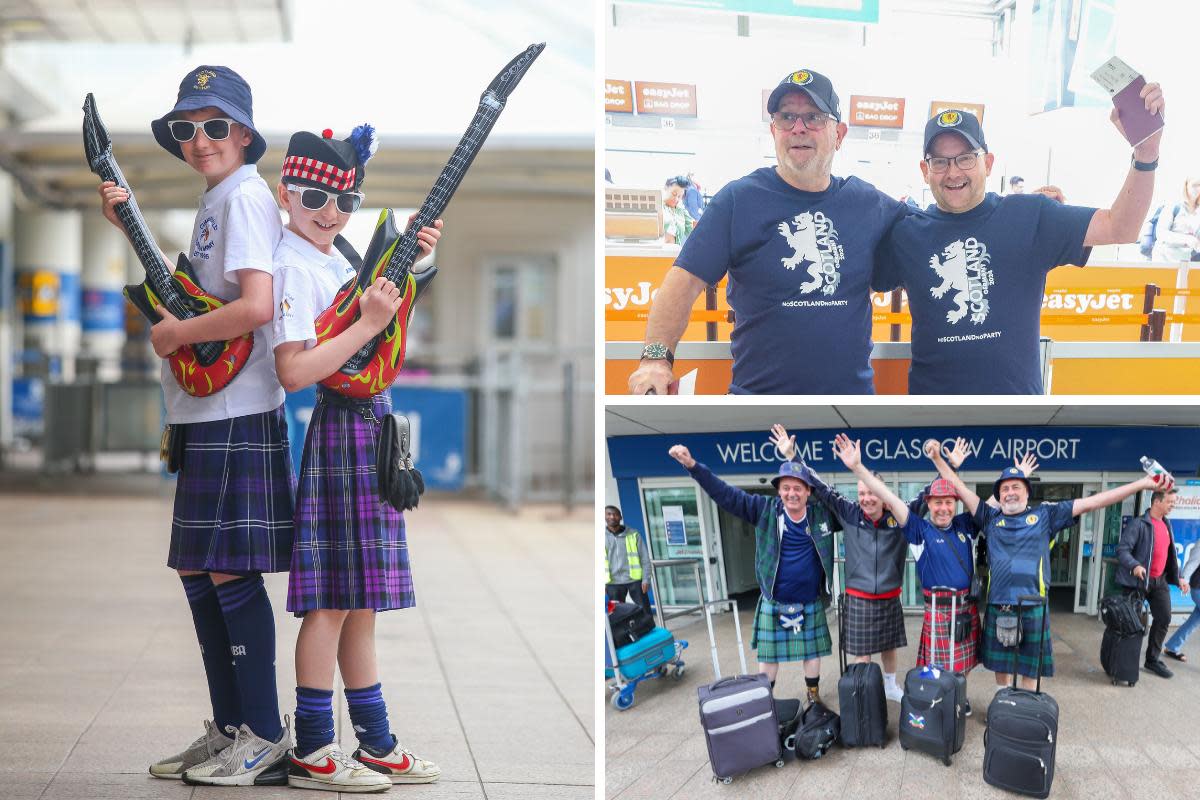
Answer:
(738, 715)
(740, 725)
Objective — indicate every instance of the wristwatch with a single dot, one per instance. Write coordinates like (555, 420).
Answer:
(657, 351)
(1144, 166)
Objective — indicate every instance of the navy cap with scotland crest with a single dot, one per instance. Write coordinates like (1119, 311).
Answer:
(328, 163)
(955, 120)
(212, 87)
(814, 84)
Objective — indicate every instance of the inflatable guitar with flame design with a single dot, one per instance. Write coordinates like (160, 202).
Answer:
(203, 368)
(391, 255)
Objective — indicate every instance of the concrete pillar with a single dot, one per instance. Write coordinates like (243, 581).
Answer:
(47, 260)
(8, 305)
(103, 306)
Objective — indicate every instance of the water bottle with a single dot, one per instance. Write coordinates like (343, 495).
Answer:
(1155, 470)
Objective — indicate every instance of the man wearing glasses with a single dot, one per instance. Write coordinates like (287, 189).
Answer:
(975, 266)
(798, 246)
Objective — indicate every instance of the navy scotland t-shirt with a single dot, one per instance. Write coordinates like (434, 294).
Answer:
(800, 572)
(800, 268)
(975, 284)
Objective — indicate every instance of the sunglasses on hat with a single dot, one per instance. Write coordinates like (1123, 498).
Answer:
(216, 129)
(315, 199)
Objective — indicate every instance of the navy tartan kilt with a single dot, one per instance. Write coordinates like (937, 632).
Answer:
(350, 550)
(998, 658)
(873, 626)
(233, 496)
(773, 643)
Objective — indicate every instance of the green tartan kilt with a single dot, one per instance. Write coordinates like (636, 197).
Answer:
(773, 643)
(998, 658)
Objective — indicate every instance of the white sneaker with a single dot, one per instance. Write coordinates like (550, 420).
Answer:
(398, 764)
(893, 692)
(212, 742)
(330, 769)
(249, 761)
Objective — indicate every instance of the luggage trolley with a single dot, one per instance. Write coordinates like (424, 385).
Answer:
(655, 655)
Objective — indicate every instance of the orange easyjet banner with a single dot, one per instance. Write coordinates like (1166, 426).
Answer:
(1101, 303)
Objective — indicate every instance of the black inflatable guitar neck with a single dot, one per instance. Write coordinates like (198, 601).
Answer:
(407, 249)
(97, 147)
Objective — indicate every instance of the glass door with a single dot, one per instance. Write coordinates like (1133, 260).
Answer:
(1087, 556)
(675, 530)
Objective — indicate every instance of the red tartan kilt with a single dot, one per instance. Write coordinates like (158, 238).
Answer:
(966, 653)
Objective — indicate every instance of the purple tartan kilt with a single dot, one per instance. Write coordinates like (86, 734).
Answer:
(350, 551)
(233, 496)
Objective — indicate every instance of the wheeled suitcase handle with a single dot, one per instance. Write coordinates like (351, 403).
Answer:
(933, 593)
(712, 637)
(1045, 603)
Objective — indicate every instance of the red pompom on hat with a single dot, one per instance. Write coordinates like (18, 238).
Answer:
(327, 133)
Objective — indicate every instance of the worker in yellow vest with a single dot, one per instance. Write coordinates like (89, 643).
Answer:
(626, 561)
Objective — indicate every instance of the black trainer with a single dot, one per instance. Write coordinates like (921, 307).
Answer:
(1159, 669)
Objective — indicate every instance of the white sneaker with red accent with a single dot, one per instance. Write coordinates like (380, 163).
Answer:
(398, 764)
(330, 769)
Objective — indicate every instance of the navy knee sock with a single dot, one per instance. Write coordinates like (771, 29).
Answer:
(214, 649)
(314, 719)
(251, 626)
(368, 715)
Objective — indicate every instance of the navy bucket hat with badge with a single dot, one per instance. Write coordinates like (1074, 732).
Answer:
(1010, 474)
(954, 120)
(814, 84)
(793, 469)
(212, 87)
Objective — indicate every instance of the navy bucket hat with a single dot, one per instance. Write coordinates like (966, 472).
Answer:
(216, 87)
(1010, 474)
(793, 469)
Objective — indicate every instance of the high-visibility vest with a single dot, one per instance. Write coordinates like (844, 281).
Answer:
(631, 550)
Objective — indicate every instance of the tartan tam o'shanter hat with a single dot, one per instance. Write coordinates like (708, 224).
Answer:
(328, 163)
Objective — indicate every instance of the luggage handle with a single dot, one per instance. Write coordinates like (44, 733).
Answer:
(933, 593)
(842, 634)
(1045, 603)
(712, 637)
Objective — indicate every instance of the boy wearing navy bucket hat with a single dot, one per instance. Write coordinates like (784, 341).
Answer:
(793, 563)
(351, 557)
(233, 498)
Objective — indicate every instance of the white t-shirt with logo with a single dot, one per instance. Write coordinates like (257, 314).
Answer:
(306, 281)
(237, 227)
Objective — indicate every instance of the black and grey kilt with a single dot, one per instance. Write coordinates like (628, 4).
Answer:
(872, 626)
(234, 496)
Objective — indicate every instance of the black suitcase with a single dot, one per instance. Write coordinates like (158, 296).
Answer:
(932, 717)
(1021, 737)
(861, 701)
(629, 622)
(1121, 656)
